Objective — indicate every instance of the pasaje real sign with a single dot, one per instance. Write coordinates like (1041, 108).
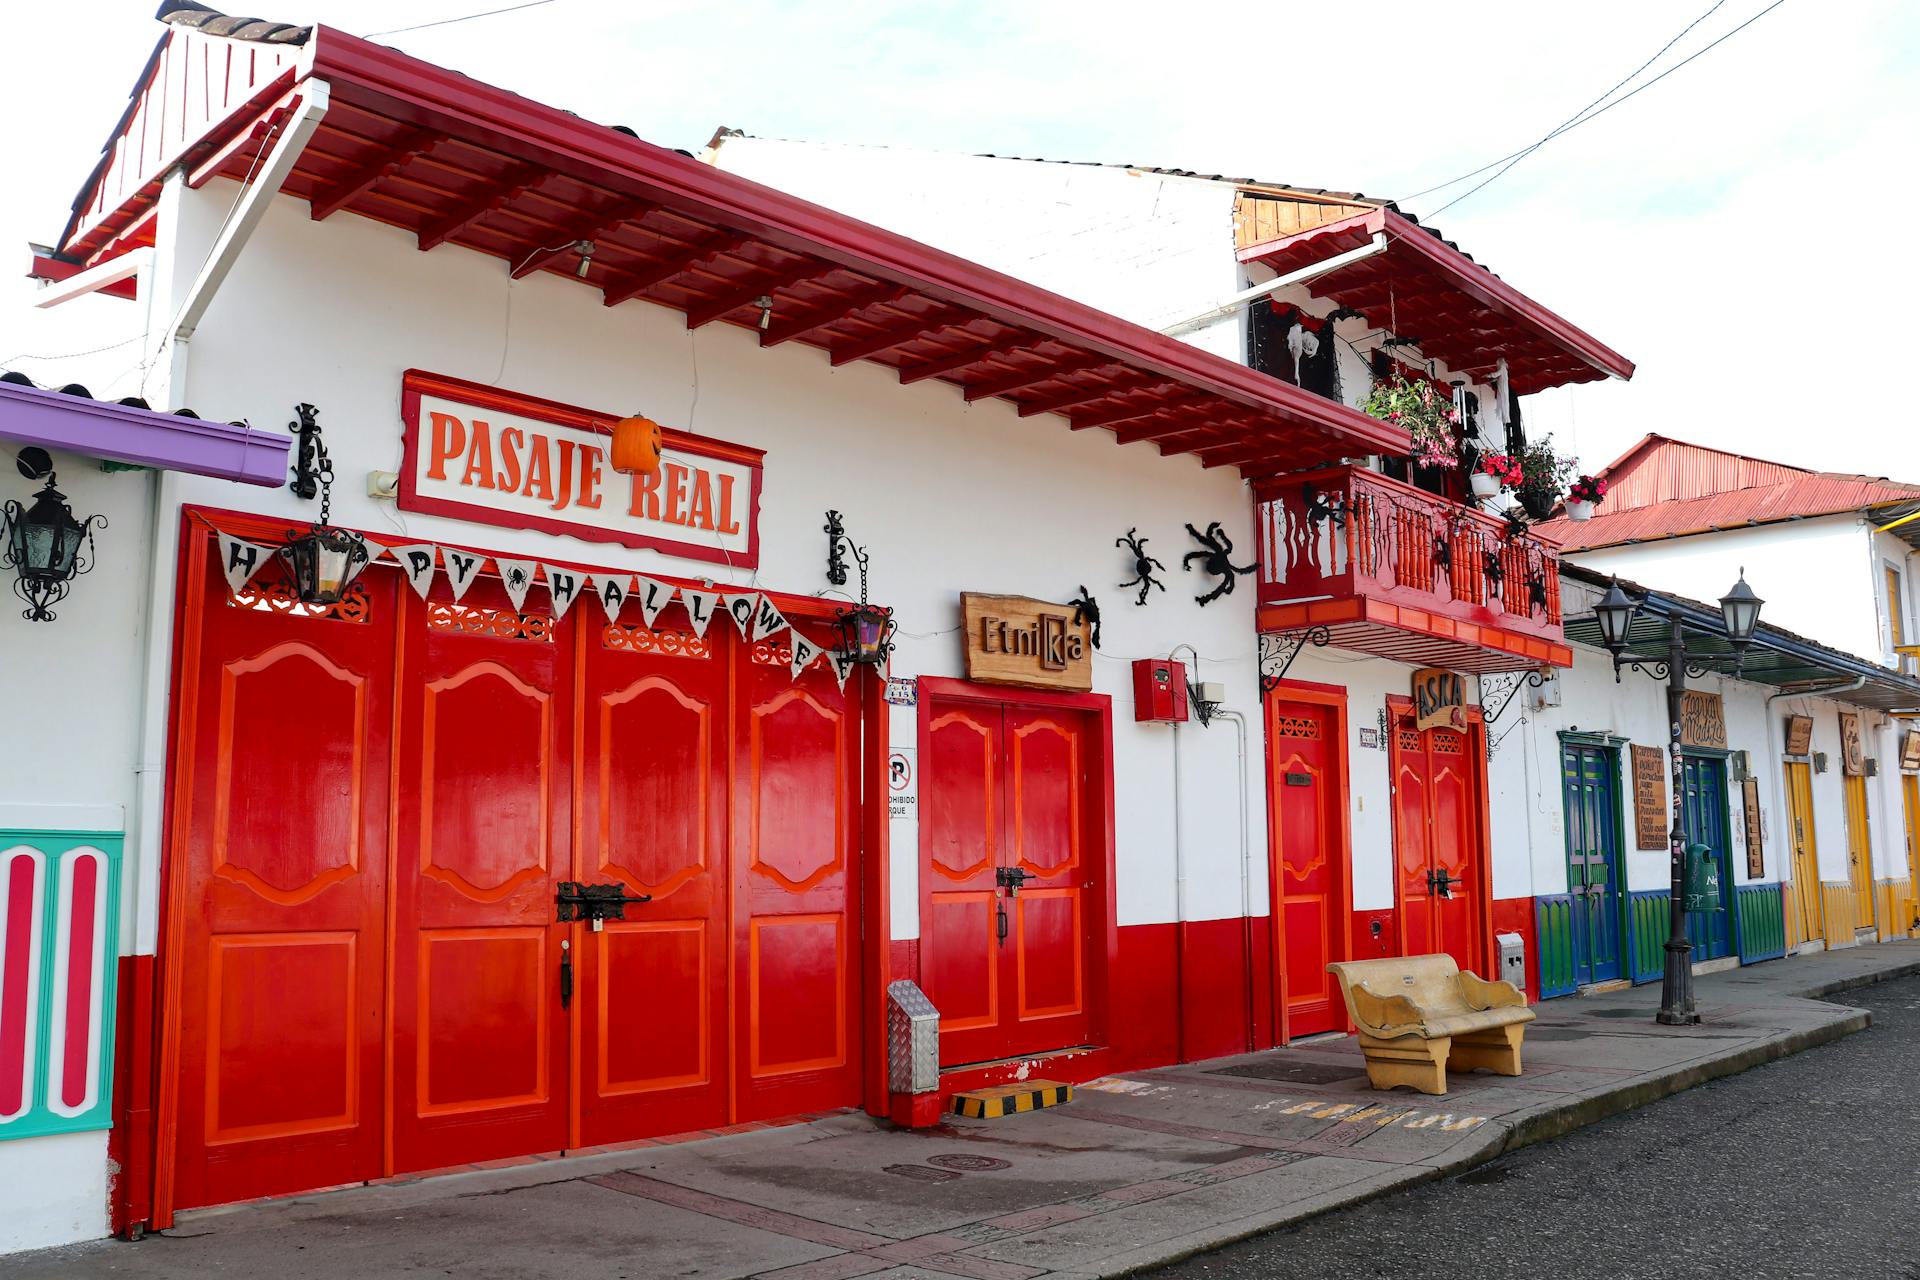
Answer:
(477, 453)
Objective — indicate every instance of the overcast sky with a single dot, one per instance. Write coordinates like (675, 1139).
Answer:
(1722, 229)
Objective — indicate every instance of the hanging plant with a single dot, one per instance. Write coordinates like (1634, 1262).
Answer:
(1494, 472)
(1583, 495)
(1425, 411)
(1543, 477)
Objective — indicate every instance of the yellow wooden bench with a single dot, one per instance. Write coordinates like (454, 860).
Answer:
(1418, 1015)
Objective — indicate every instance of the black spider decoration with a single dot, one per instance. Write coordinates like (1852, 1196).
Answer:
(1537, 589)
(1496, 572)
(1516, 526)
(1086, 609)
(1442, 553)
(1320, 507)
(1143, 567)
(1216, 558)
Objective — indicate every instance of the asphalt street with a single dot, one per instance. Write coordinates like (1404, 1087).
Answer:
(1805, 1167)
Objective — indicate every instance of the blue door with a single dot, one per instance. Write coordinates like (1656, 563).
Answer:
(1593, 860)
(1705, 817)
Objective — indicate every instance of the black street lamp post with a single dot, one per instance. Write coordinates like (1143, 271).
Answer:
(1740, 614)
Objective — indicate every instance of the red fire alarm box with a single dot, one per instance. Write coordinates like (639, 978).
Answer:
(1159, 690)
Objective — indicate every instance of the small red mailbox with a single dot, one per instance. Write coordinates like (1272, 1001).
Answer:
(1159, 690)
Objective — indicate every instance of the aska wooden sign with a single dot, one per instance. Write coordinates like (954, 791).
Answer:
(1703, 720)
(1651, 817)
(478, 453)
(1853, 751)
(1799, 735)
(1031, 643)
(1439, 699)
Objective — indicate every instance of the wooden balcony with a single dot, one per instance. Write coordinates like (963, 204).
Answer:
(1397, 572)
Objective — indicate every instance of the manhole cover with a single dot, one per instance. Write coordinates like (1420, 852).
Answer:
(920, 1173)
(1293, 1072)
(969, 1164)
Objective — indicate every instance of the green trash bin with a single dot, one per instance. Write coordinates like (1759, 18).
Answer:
(1701, 879)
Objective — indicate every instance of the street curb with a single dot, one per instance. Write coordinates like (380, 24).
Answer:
(1553, 1124)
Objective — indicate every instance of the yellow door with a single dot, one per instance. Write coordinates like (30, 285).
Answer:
(1859, 852)
(1910, 792)
(1806, 854)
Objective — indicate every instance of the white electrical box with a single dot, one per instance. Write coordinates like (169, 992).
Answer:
(1212, 692)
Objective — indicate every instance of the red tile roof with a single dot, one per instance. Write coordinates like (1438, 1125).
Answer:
(1667, 488)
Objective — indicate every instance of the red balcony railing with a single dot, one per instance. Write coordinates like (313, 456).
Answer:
(1346, 531)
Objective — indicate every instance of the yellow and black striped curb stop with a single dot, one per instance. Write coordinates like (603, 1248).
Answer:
(1011, 1099)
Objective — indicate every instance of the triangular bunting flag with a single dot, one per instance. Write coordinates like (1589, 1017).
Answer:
(767, 619)
(516, 576)
(700, 607)
(562, 586)
(462, 568)
(612, 588)
(804, 652)
(653, 598)
(240, 560)
(842, 663)
(417, 563)
(741, 609)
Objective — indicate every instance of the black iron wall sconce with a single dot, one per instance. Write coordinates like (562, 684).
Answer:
(44, 545)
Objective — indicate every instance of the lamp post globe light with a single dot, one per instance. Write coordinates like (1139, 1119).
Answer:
(1740, 615)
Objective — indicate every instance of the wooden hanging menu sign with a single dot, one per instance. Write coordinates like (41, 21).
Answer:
(1756, 857)
(1853, 750)
(1703, 720)
(1651, 817)
(1910, 749)
(1031, 643)
(1799, 735)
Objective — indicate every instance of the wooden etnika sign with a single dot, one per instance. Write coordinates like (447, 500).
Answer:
(1439, 700)
(478, 453)
(1018, 641)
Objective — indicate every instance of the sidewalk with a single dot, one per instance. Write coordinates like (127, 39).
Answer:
(1140, 1169)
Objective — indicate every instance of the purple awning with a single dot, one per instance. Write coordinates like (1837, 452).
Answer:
(142, 437)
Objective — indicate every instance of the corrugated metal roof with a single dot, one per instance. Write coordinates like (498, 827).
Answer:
(1667, 488)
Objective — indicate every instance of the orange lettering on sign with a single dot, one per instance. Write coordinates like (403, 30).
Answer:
(700, 508)
(676, 493)
(589, 478)
(449, 441)
(646, 496)
(539, 478)
(727, 523)
(511, 438)
(480, 457)
(566, 474)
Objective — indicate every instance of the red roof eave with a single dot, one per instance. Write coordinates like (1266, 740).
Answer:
(1472, 279)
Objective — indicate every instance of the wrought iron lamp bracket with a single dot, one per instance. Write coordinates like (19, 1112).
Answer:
(1505, 686)
(1278, 649)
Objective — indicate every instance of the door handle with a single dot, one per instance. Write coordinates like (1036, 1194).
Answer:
(566, 973)
(597, 903)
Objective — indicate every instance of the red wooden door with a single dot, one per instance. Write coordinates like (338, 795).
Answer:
(480, 1039)
(652, 1002)
(796, 909)
(1046, 854)
(1308, 863)
(276, 940)
(1007, 907)
(960, 946)
(1438, 806)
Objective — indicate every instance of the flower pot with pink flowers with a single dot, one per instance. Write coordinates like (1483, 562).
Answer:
(1427, 414)
(1583, 495)
(1496, 472)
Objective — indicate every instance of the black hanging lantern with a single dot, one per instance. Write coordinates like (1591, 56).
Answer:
(45, 545)
(324, 560)
(866, 630)
(1740, 610)
(1615, 611)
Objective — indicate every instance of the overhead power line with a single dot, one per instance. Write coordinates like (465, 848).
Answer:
(1593, 110)
(447, 22)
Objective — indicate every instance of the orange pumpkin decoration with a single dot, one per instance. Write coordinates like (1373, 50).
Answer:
(636, 446)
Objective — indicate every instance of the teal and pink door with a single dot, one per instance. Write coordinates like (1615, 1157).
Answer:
(1011, 875)
(1592, 805)
(1439, 825)
(1309, 869)
(384, 808)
